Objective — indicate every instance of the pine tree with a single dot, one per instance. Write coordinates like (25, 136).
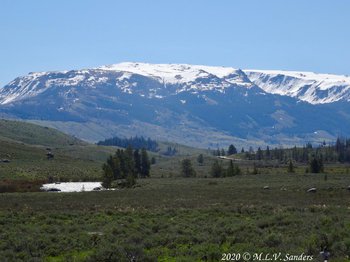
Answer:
(129, 162)
(268, 153)
(231, 150)
(187, 168)
(107, 176)
(114, 163)
(145, 164)
(200, 159)
(153, 160)
(137, 160)
(223, 153)
(216, 169)
(230, 171)
(316, 165)
(259, 154)
(290, 168)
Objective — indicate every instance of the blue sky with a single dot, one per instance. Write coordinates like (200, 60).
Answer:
(42, 35)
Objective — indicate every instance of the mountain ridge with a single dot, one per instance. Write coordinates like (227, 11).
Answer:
(200, 105)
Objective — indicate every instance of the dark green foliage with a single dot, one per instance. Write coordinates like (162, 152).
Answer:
(223, 153)
(138, 162)
(290, 168)
(145, 164)
(108, 176)
(153, 160)
(259, 154)
(114, 164)
(231, 150)
(135, 142)
(130, 168)
(187, 169)
(200, 159)
(126, 164)
(216, 169)
(268, 153)
(232, 169)
(316, 165)
(340, 151)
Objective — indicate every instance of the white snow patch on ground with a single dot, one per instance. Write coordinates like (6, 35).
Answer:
(72, 186)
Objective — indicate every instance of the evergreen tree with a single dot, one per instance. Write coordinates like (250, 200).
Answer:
(187, 168)
(135, 142)
(129, 161)
(259, 154)
(145, 164)
(200, 159)
(231, 150)
(268, 153)
(216, 169)
(153, 160)
(107, 176)
(316, 165)
(290, 168)
(230, 171)
(137, 160)
(114, 163)
(237, 170)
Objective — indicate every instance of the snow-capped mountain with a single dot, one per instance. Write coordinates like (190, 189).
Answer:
(306, 86)
(174, 78)
(198, 105)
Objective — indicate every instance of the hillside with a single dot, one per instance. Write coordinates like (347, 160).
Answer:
(35, 135)
(23, 149)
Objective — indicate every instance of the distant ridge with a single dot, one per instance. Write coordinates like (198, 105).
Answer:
(203, 106)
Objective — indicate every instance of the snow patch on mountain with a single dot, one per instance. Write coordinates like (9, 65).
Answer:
(171, 73)
(306, 86)
(139, 78)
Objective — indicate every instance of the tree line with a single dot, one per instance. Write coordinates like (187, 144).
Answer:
(333, 152)
(217, 170)
(135, 142)
(127, 164)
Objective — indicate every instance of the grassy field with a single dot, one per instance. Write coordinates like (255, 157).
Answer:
(26, 145)
(165, 217)
(178, 219)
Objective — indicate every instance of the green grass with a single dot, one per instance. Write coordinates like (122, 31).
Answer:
(166, 217)
(35, 135)
(180, 219)
(26, 145)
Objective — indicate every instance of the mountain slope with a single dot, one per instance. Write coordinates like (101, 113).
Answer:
(25, 145)
(35, 135)
(197, 105)
(306, 86)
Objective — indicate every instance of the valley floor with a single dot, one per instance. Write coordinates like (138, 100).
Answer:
(178, 219)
